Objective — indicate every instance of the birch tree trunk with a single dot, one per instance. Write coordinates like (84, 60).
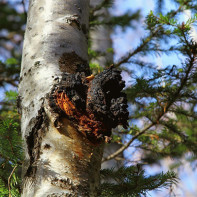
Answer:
(66, 115)
(59, 161)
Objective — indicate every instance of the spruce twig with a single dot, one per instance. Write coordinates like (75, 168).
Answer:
(145, 41)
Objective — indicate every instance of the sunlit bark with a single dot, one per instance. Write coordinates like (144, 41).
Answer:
(58, 160)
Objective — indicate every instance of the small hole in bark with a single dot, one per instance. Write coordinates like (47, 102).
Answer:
(47, 146)
(37, 63)
(33, 57)
(41, 8)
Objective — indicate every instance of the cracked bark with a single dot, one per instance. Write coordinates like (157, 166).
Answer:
(61, 158)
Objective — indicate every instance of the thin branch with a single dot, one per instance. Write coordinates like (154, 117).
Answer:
(8, 159)
(8, 80)
(124, 147)
(99, 6)
(126, 58)
(146, 40)
(9, 140)
(23, 3)
(10, 179)
(6, 103)
(169, 104)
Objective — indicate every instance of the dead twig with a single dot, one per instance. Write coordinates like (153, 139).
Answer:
(9, 179)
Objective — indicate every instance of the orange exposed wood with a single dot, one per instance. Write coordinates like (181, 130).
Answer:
(85, 121)
(65, 104)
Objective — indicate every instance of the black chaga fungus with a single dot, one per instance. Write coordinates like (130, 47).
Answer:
(105, 99)
(94, 105)
(73, 87)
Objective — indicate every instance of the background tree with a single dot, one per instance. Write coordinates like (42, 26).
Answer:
(164, 99)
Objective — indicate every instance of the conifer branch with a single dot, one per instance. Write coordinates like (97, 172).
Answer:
(145, 41)
(24, 10)
(124, 147)
(6, 103)
(168, 105)
(8, 80)
(104, 3)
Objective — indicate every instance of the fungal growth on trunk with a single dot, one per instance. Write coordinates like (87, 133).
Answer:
(94, 105)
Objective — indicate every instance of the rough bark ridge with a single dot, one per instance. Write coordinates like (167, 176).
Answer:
(60, 161)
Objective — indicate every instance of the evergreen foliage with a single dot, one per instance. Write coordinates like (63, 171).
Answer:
(170, 92)
(12, 24)
(132, 182)
(11, 152)
(163, 98)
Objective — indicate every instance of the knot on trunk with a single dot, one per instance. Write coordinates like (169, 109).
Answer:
(95, 105)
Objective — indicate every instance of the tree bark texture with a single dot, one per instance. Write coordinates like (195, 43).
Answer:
(66, 115)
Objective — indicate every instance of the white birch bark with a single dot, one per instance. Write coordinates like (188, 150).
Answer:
(58, 160)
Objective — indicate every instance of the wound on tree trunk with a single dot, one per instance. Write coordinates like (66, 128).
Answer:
(94, 105)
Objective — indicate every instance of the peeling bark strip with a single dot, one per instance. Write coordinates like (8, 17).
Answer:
(94, 105)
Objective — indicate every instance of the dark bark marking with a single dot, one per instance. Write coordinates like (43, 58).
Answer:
(33, 57)
(20, 79)
(63, 183)
(67, 184)
(94, 106)
(18, 104)
(37, 63)
(84, 29)
(34, 140)
(41, 9)
(72, 63)
(78, 8)
(61, 195)
(74, 21)
(47, 146)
